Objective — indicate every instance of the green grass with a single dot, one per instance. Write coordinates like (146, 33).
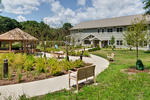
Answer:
(112, 84)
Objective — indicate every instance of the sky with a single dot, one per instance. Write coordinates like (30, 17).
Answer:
(57, 12)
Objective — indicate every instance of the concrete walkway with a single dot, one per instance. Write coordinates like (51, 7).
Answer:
(45, 86)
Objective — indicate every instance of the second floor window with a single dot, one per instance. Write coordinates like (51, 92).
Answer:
(119, 29)
(110, 30)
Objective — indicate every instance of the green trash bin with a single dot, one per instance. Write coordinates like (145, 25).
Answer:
(139, 65)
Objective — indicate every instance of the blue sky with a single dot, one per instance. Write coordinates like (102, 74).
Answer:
(57, 12)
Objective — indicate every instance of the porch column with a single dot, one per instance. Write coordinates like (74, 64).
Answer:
(100, 44)
(10, 45)
(82, 42)
(34, 46)
(0, 43)
(92, 43)
(24, 47)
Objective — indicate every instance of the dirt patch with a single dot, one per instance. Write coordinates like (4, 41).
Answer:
(134, 71)
(32, 76)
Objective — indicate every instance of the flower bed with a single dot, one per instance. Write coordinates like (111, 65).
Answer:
(25, 68)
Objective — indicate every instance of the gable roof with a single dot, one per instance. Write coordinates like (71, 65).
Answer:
(17, 35)
(109, 22)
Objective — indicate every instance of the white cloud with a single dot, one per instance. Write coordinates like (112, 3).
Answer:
(21, 18)
(99, 9)
(20, 6)
(82, 2)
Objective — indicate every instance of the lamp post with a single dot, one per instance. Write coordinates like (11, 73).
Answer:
(67, 57)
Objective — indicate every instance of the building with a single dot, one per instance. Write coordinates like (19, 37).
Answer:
(99, 32)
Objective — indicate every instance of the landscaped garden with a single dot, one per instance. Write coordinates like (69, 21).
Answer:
(113, 83)
(25, 68)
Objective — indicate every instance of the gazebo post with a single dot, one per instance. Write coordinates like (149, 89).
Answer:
(24, 47)
(34, 47)
(10, 45)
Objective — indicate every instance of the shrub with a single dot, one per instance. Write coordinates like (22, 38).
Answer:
(29, 63)
(54, 66)
(67, 65)
(78, 63)
(19, 75)
(40, 65)
(86, 54)
(94, 49)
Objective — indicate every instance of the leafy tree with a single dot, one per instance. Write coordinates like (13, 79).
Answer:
(7, 24)
(67, 26)
(112, 42)
(128, 39)
(147, 6)
(138, 33)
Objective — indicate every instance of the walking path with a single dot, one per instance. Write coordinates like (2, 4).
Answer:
(45, 86)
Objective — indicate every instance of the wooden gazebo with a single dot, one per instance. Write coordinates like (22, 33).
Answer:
(17, 35)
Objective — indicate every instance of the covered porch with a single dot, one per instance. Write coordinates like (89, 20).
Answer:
(91, 41)
(26, 41)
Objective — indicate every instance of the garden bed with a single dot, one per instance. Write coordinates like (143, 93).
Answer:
(24, 68)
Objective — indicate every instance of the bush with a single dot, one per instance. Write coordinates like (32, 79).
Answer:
(78, 63)
(86, 54)
(29, 63)
(73, 53)
(94, 49)
(40, 65)
(67, 65)
(54, 66)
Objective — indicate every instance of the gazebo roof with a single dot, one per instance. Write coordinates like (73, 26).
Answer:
(17, 35)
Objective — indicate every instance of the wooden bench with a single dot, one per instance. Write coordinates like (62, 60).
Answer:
(82, 73)
(111, 56)
(59, 54)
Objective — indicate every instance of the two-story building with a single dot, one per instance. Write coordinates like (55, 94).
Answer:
(99, 32)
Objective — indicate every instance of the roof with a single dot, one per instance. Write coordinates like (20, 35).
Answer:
(17, 35)
(109, 22)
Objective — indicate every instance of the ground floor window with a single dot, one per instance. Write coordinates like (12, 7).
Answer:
(87, 42)
(109, 42)
(119, 42)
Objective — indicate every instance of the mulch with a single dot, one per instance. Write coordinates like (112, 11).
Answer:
(31, 77)
(134, 70)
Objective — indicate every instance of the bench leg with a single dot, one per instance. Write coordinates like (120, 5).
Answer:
(77, 85)
(94, 78)
(69, 84)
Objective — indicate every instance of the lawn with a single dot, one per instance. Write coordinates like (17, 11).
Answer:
(112, 84)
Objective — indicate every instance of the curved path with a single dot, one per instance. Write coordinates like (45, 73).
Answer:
(45, 86)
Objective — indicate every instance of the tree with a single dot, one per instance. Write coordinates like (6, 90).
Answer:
(147, 6)
(1, 6)
(67, 26)
(112, 42)
(128, 39)
(138, 33)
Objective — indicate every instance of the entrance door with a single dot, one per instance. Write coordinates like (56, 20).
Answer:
(105, 44)
(96, 43)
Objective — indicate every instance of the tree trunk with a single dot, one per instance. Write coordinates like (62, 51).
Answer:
(137, 53)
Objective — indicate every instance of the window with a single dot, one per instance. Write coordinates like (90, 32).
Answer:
(78, 40)
(109, 30)
(103, 30)
(145, 43)
(119, 42)
(98, 30)
(80, 30)
(109, 42)
(87, 42)
(119, 29)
